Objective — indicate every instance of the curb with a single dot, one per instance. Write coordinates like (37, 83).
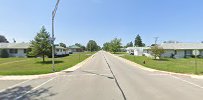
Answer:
(155, 70)
(25, 77)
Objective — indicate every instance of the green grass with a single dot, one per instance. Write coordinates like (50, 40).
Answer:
(183, 65)
(119, 53)
(33, 66)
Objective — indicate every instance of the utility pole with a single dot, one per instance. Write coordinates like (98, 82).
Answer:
(156, 39)
(53, 38)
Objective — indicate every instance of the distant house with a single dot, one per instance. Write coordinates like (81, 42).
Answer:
(20, 49)
(75, 48)
(61, 51)
(137, 51)
(181, 50)
(172, 50)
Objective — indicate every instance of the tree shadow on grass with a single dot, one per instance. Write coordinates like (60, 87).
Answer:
(49, 62)
(20, 91)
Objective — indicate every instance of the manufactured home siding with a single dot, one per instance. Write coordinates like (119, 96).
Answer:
(20, 53)
(168, 53)
(180, 54)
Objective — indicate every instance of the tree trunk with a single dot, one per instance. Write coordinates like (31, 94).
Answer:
(43, 57)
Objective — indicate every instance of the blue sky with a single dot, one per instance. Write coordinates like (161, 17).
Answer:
(78, 21)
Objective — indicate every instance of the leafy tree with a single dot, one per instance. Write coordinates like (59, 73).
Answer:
(41, 45)
(157, 51)
(92, 46)
(138, 41)
(4, 53)
(115, 45)
(81, 46)
(106, 46)
(3, 39)
(62, 44)
(130, 44)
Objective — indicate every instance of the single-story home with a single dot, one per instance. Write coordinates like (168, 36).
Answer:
(75, 48)
(137, 51)
(20, 49)
(172, 50)
(181, 50)
(61, 51)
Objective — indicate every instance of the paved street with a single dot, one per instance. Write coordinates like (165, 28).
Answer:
(105, 77)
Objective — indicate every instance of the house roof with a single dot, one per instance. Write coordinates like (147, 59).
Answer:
(181, 46)
(14, 45)
(59, 47)
(74, 47)
(133, 48)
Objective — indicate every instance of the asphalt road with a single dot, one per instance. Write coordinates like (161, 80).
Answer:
(105, 77)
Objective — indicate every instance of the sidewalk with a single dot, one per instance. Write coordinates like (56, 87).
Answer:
(25, 77)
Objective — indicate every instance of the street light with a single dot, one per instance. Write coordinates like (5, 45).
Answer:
(53, 38)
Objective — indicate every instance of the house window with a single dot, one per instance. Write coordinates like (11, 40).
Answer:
(57, 50)
(25, 50)
(188, 52)
(13, 51)
(175, 52)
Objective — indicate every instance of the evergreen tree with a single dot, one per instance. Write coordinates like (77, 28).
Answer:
(41, 45)
(130, 44)
(3, 39)
(138, 41)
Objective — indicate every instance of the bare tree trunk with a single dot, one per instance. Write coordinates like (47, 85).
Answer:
(43, 57)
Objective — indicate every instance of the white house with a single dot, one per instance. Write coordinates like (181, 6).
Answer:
(61, 51)
(15, 49)
(20, 49)
(181, 50)
(137, 51)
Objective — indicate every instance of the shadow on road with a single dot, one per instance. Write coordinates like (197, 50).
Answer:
(13, 93)
(98, 74)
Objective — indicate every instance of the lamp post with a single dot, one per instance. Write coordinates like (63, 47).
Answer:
(53, 38)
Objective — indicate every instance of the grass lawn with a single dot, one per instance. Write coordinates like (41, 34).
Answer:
(183, 65)
(119, 52)
(32, 66)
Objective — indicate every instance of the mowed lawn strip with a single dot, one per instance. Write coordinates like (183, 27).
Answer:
(33, 66)
(10, 60)
(182, 65)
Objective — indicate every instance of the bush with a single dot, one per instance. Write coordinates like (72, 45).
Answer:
(4, 53)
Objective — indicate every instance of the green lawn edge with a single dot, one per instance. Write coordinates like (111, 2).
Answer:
(34, 66)
(182, 65)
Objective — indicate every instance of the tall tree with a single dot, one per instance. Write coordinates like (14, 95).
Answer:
(92, 46)
(115, 45)
(3, 39)
(41, 45)
(106, 46)
(80, 45)
(138, 41)
(62, 44)
(130, 44)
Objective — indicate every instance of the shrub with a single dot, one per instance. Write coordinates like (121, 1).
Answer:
(4, 53)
